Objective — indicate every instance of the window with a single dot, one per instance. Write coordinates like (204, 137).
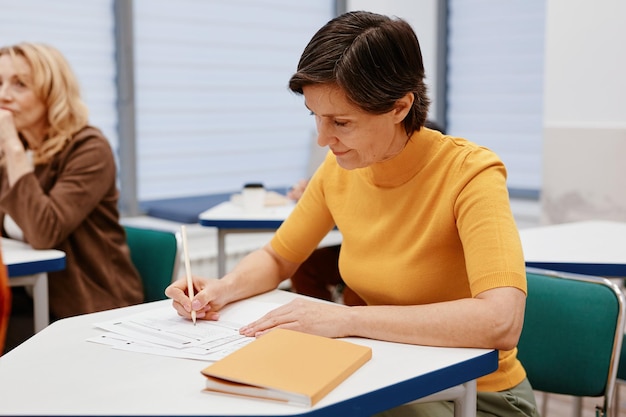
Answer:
(212, 104)
(495, 83)
(83, 32)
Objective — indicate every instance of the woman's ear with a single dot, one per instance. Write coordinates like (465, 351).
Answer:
(403, 106)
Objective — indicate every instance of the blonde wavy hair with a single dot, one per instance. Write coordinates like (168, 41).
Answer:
(54, 82)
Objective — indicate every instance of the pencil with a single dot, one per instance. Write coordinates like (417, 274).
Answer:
(188, 271)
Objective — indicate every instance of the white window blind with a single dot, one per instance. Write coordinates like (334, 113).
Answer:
(213, 107)
(83, 32)
(495, 82)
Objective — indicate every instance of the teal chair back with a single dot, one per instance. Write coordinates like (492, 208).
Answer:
(156, 255)
(572, 335)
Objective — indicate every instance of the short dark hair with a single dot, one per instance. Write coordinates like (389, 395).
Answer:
(375, 59)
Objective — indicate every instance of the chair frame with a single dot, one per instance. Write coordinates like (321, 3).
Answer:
(611, 383)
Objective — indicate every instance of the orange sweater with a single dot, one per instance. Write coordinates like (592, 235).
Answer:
(432, 224)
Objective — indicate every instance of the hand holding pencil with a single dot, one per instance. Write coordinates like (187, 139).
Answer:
(196, 297)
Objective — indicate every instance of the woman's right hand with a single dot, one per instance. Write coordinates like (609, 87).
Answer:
(207, 301)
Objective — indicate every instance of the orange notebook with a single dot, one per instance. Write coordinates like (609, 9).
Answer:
(286, 365)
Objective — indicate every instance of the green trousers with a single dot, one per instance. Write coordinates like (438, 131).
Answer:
(518, 401)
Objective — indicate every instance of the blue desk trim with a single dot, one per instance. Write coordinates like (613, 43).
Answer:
(604, 270)
(409, 390)
(36, 267)
(424, 385)
(242, 224)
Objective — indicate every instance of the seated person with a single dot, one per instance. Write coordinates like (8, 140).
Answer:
(429, 239)
(58, 186)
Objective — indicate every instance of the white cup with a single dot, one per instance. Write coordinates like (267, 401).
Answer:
(253, 197)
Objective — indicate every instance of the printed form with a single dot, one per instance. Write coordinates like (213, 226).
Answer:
(163, 332)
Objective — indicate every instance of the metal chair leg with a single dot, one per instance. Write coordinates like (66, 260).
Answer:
(544, 405)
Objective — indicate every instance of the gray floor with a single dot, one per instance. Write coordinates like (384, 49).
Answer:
(563, 406)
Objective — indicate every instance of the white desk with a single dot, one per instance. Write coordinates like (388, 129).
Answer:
(28, 267)
(231, 218)
(590, 247)
(61, 373)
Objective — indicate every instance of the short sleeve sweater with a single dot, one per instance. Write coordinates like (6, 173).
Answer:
(432, 224)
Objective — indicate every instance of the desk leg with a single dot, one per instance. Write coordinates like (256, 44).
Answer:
(40, 297)
(221, 253)
(463, 396)
(39, 285)
(465, 405)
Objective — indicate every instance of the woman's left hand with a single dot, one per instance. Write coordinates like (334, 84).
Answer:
(314, 317)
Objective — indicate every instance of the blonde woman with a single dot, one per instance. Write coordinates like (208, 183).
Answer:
(58, 182)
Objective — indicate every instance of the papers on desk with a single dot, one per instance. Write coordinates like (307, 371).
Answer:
(163, 332)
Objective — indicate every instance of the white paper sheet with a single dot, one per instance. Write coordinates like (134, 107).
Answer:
(163, 332)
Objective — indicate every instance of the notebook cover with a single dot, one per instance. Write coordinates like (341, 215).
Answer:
(285, 361)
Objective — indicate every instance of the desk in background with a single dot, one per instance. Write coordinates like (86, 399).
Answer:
(28, 267)
(232, 218)
(187, 209)
(595, 247)
(72, 376)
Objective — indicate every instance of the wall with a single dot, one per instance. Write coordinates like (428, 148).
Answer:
(584, 174)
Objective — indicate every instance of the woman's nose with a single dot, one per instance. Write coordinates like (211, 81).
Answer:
(4, 92)
(324, 134)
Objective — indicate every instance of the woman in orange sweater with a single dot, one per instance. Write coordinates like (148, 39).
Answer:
(429, 240)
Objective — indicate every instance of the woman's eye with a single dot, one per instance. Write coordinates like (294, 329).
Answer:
(340, 124)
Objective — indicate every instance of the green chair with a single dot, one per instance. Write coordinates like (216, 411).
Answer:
(572, 335)
(156, 255)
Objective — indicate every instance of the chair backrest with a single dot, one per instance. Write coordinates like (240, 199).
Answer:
(155, 254)
(572, 335)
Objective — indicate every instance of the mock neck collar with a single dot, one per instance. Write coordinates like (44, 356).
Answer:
(404, 166)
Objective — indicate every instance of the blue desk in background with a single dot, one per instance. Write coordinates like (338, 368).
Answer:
(182, 210)
(231, 218)
(187, 209)
(596, 247)
(28, 267)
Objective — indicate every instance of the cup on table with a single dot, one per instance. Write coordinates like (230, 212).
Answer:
(253, 197)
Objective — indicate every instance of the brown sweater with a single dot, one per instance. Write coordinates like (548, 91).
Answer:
(70, 204)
